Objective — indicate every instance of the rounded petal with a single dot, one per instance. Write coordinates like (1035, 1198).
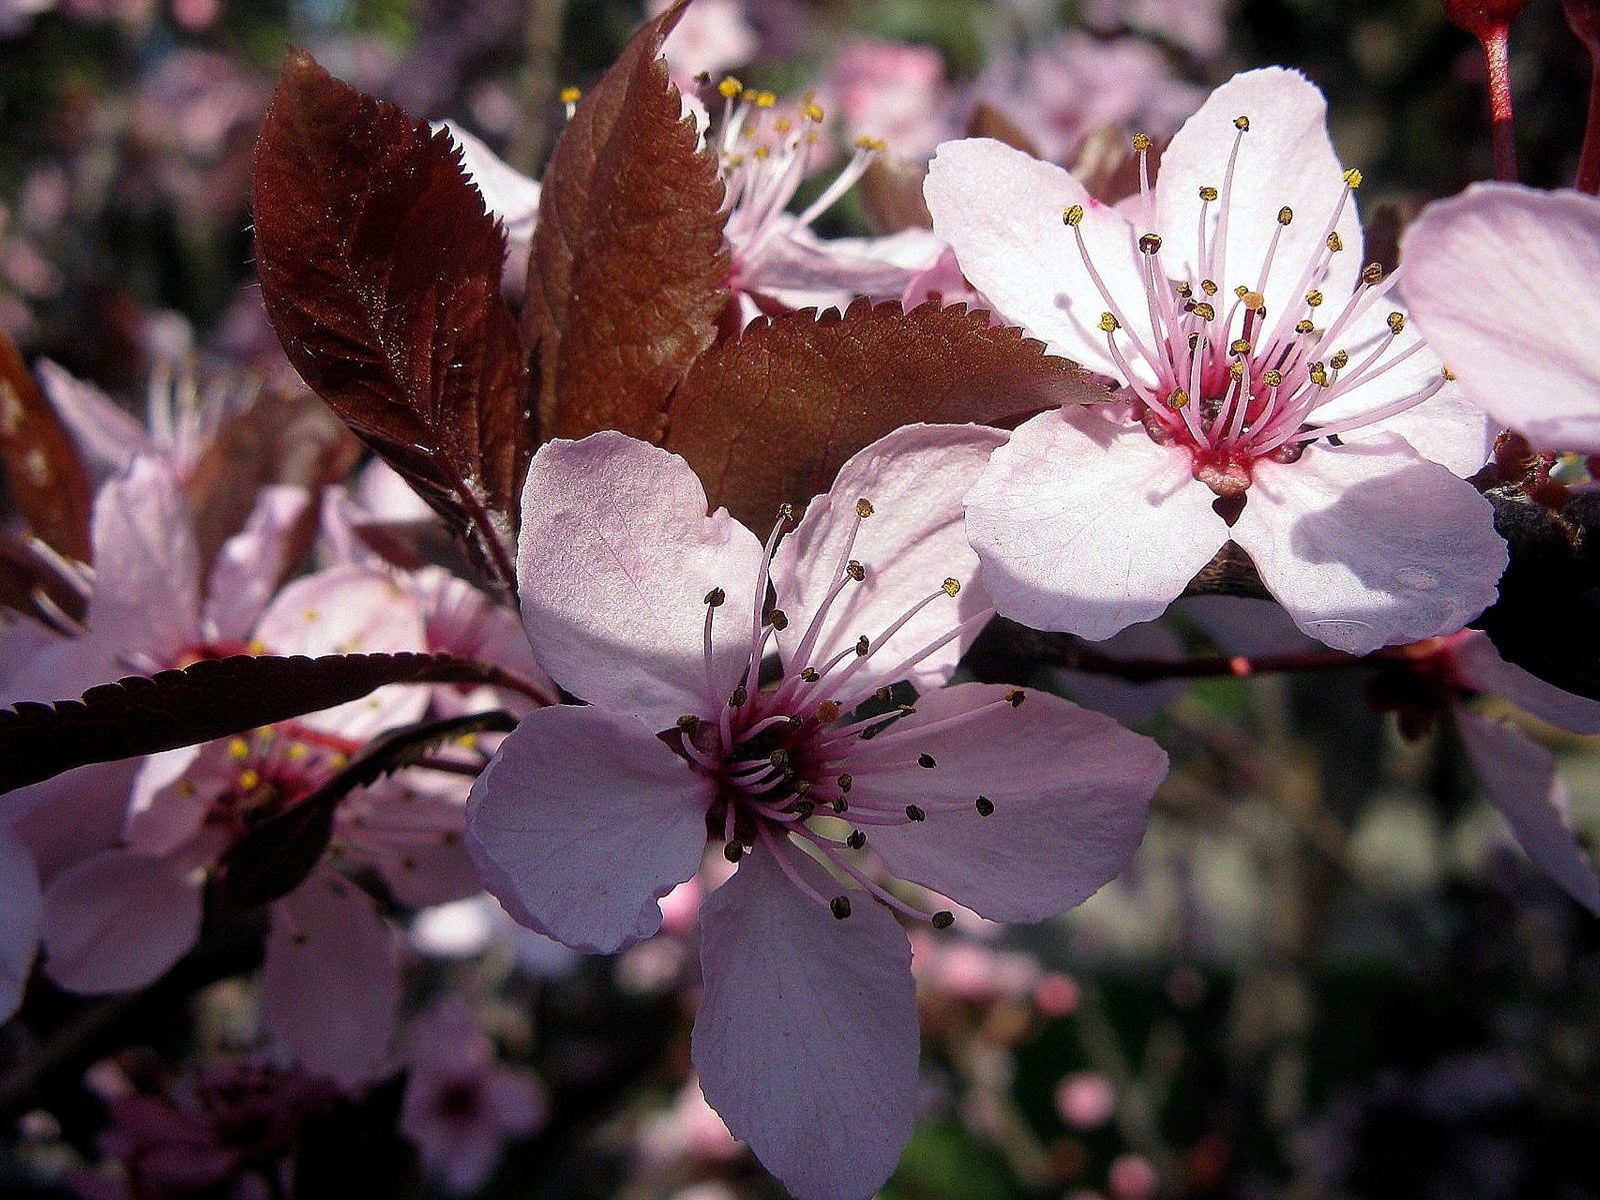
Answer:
(147, 568)
(330, 985)
(914, 540)
(19, 930)
(1370, 545)
(1071, 793)
(615, 559)
(1482, 669)
(1520, 777)
(1000, 211)
(250, 563)
(117, 921)
(582, 821)
(1087, 526)
(1501, 281)
(1285, 161)
(806, 1040)
(169, 802)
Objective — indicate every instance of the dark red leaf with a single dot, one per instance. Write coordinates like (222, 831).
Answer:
(891, 194)
(771, 417)
(380, 272)
(628, 272)
(210, 699)
(48, 485)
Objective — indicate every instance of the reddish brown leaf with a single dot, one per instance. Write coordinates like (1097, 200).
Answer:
(380, 272)
(212, 698)
(986, 120)
(628, 271)
(49, 487)
(892, 197)
(771, 417)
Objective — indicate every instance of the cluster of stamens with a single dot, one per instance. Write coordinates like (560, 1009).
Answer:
(782, 752)
(1233, 383)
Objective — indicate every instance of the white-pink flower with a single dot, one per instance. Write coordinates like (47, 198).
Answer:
(1271, 396)
(1501, 279)
(816, 772)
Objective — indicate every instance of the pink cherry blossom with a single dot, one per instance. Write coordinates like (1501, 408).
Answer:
(1268, 396)
(814, 780)
(1500, 278)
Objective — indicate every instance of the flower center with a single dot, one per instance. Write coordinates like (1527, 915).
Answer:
(1218, 376)
(781, 745)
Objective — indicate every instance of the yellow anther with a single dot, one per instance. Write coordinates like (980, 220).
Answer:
(1141, 142)
(1072, 215)
(1239, 346)
(1236, 368)
(1335, 242)
(1285, 215)
(811, 110)
(1182, 288)
(1396, 321)
(1448, 374)
(1208, 193)
(873, 145)
(1272, 378)
(1149, 243)
(256, 646)
(1352, 178)
(1242, 124)
(762, 152)
(310, 614)
(1372, 273)
(338, 761)
(1314, 298)
(951, 586)
(1204, 311)
(730, 87)
(1303, 327)
(187, 787)
(249, 779)
(1340, 360)
(766, 99)
(1319, 374)
(1178, 398)
(571, 95)
(295, 751)
(1208, 286)
(863, 508)
(783, 124)
(1109, 323)
(238, 748)
(1241, 291)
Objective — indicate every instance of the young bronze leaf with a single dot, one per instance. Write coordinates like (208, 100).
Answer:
(212, 698)
(771, 417)
(44, 475)
(628, 272)
(380, 271)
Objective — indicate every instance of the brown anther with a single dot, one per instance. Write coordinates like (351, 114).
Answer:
(688, 723)
(915, 814)
(1340, 360)
(1303, 327)
(740, 695)
(1182, 288)
(844, 782)
(1208, 286)
(985, 806)
(1208, 193)
(779, 758)
(855, 570)
(1319, 374)
(1072, 215)
(1141, 142)
(864, 508)
(942, 919)
(1314, 298)
(1272, 377)
(1372, 273)
(856, 840)
(1396, 322)
(1203, 310)
(1285, 215)
(1239, 346)
(1335, 242)
(863, 646)
(778, 619)
(1015, 697)
(883, 693)
(839, 906)
(795, 721)
(810, 675)
(1149, 243)
(841, 805)
(733, 852)
(716, 597)
(804, 808)
(926, 760)
(951, 586)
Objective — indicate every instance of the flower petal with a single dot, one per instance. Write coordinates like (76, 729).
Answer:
(330, 986)
(582, 821)
(1000, 211)
(1520, 777)
(1370, 545)
(1501, 280)
(118, 920)
(615, 559)
(1070, 788)
(806, 1040)
(1482, 669)
(250, 563)
(19, 932)
(1088, 526)
(1285, 160)
(914, 540)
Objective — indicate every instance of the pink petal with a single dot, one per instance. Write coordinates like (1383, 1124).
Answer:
(106, 436)
(1285, 159)
(1000, 211)
(806, 1040)
(1482, 669)
(801, 270)
(1520, 777)
(409, 828)
(1088, 526)
(19, 926)
(913, 541)
(171, 795)
(118, 920)
(330, 986)
(615, 559)
(582, 821)
(1370, 545)
(250, 563)
(147, 587)
(1501, 281)
(65, 819)
(1071, 792)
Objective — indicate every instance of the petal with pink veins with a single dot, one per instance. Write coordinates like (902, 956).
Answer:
(912, 542)
(1369, 545)
(1063, 822)
(330, 986)
(806, 1040)
(1000, 211)
(582, 821)
(1088, 526)
(1519, 776)
(1501, 281)
(615, 559)
(118, 920)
